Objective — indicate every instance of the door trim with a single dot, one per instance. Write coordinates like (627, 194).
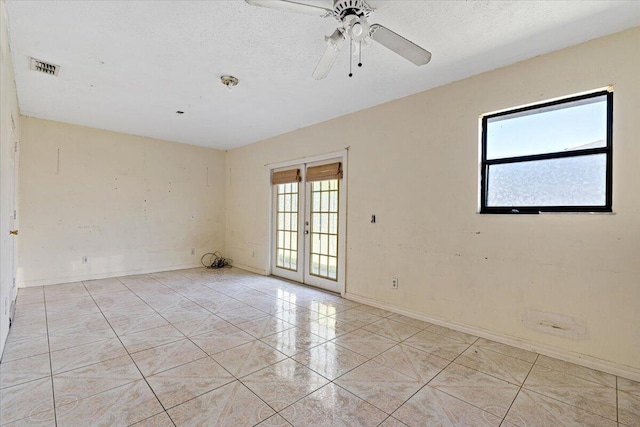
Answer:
(342, 155)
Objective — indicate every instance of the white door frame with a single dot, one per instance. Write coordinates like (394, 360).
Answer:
(8, 196)
(341, 156)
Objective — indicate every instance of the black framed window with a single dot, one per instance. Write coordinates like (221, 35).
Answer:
(551, 157)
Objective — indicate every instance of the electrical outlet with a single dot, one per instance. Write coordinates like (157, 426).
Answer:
(85, 259)
(193, 251)
(394, 283)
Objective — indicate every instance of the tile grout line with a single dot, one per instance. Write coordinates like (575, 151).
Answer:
(368, 360)
(98, 339)
(194, 302)
(260, 339)
(485, 348)
(185, 336)
(207, 356)
(579, 377)
(433, 377)
(183, 288)
(572, 405)
(239, 379)
(495, 377)
(314, 371)
(296, 401)
(148, 418)
(25, 357)
(320, 388)
(393, 418)
(236, 378)
(125, 349)
(53, 390)
(617, 402)
(518, 392)
(330, 381)
(417, 391)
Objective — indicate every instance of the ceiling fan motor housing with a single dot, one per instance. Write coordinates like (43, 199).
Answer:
(344, 8)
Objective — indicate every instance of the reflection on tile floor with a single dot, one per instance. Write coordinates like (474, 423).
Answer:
(230, 348)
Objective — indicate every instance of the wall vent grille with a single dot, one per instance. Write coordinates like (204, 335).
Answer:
(44, 67)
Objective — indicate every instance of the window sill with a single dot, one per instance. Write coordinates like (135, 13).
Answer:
(576, 213)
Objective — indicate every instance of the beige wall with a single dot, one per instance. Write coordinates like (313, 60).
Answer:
(9, 132)
(130, 204)
(414, 163)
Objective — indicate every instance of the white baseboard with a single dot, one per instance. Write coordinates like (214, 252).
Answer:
(558, 353)
(250, 269)
(104, 275)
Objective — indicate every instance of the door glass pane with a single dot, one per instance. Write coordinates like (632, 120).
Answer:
(316, 225)
(324, 222)
(333, 223)
(315, 265)
(324, 229)
(324, 201)
(287, 259)
(287, 226)
(324, 265)
(333, 246)
(333, 266)
(287, 240)
(571, 181)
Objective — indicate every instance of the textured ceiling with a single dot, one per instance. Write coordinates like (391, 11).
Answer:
(127, 66)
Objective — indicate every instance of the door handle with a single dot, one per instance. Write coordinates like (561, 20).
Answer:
(14, 232)
(306, 231)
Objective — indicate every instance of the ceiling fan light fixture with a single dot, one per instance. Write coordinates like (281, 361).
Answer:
(352, 18)
(359, 30)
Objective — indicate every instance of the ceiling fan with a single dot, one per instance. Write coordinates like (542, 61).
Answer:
(352, 17)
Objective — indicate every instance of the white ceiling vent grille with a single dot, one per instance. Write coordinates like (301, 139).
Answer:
(44, 67)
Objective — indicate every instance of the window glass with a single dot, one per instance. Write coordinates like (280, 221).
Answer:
(573, 126)
(570, 181)
(554, 156)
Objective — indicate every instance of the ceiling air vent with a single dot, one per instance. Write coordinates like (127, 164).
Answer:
(44, 67)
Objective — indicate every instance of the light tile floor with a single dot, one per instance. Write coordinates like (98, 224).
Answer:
(229, 348)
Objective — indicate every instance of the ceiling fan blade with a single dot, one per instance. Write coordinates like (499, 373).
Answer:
(292, 6)
(334, 43)
(376, 4)
(398, 44)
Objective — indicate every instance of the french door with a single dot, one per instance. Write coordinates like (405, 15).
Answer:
(308, 238)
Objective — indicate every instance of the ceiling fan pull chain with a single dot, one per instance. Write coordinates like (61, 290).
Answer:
(350, 55)
(353, 22)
